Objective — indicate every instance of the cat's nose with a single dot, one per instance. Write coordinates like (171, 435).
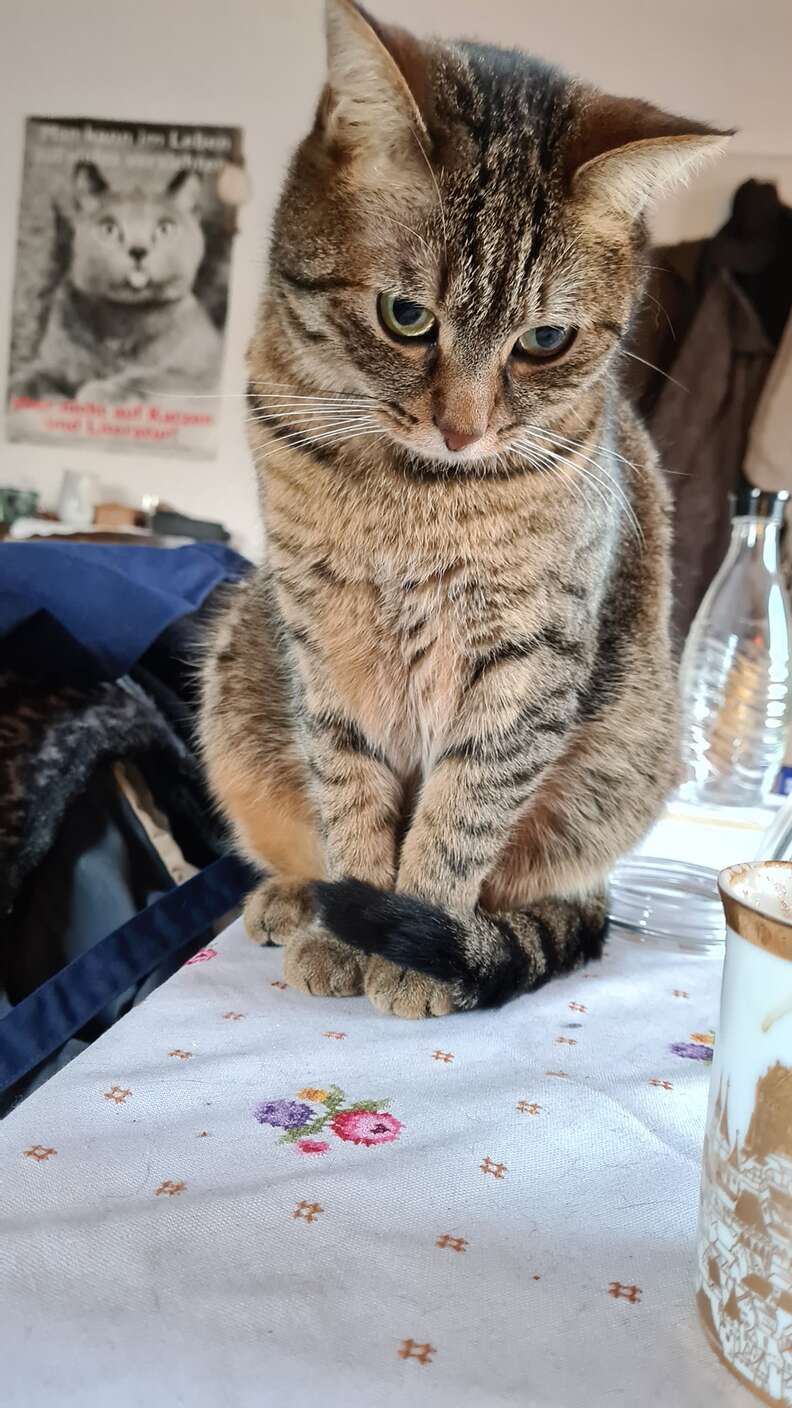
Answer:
(138, 252)
(456, 438)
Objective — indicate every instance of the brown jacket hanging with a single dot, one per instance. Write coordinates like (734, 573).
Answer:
(711, 323)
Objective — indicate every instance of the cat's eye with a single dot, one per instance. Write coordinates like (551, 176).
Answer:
(165, 227)
(404, 319)
(545, 342)
(109, 229)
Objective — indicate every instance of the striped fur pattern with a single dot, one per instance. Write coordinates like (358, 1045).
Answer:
(445, 706)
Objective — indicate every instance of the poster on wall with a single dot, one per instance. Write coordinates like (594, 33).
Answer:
(121, 285)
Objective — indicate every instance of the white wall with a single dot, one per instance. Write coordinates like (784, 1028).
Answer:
(258, 64)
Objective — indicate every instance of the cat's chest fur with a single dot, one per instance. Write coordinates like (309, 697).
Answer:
(401, 651)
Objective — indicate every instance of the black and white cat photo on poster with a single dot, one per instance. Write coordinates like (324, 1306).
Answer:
(121, 285)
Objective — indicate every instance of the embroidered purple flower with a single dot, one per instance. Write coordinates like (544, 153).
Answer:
(202, 957)
(312, 1146)
(283, 1114)
(692, 1050)
(365, 1127)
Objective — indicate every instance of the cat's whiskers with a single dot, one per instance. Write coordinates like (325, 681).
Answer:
(565, 440)
(414, 233)
(422, 150)
(336, 439)
(299, 440)
(549, 469)
(327, 432)
(635, 358)
(663, 310)
(603, 469)
(285, 399)
(285, 390)
(603, 489)
(298, 416)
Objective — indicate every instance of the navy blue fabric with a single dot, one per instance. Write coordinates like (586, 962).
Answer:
(96, 607)
(45, 1020)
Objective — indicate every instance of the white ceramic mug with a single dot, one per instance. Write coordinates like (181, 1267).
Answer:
(745, 1222)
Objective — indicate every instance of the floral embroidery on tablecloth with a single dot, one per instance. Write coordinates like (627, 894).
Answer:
(363, 1122)
(202, 957)
(698, 1048)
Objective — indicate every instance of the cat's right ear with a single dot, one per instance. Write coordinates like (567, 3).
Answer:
(88, 184)
(375, 79)
(625, 152)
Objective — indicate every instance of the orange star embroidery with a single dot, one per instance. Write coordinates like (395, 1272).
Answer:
(422, 1352)
(40, 1153)
(528, 1107)
(117, 1094)
(182, 1055)
(489, 1166)
(233, 1016)
(454, 1244)
(577, 1007)
(169, 1188)
(307, 1212)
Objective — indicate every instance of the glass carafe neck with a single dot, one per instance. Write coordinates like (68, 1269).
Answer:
(757, 538)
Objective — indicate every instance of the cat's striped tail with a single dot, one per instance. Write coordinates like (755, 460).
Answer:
(486, 959)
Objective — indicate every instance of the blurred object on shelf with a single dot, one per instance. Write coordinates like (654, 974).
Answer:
(111, 515)
(17, 503)
(77, 499)
(31, 530)
(166, 522)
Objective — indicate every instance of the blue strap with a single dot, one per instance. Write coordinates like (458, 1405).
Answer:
(41, 1023)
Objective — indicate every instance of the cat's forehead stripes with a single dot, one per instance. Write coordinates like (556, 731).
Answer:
(502, 197)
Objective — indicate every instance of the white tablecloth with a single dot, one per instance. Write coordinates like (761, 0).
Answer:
(510, 1222)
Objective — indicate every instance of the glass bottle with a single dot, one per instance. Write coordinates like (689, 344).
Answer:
(735, 671)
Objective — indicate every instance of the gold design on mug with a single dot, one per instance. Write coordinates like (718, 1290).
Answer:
(745, 1299)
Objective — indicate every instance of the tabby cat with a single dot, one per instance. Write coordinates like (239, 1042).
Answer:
(124, 322)
(445, 705)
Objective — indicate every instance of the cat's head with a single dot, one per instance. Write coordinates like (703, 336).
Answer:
(135, 245)
(461, 236)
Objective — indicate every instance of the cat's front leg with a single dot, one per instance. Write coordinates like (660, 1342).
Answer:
(358, 798)
(493, 762)
(38, 382)
(115, 390)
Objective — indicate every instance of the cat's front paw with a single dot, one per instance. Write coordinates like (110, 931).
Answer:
(323, 966)
(112, 390)
(276, 910)
(405, 993)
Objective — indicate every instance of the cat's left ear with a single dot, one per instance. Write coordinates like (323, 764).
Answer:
(185, 189)
(88, 186)
(626, 152)
(376, 77)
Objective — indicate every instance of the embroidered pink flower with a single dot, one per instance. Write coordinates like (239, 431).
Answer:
(312, 1146)
(365, 1127)
(202, 957)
